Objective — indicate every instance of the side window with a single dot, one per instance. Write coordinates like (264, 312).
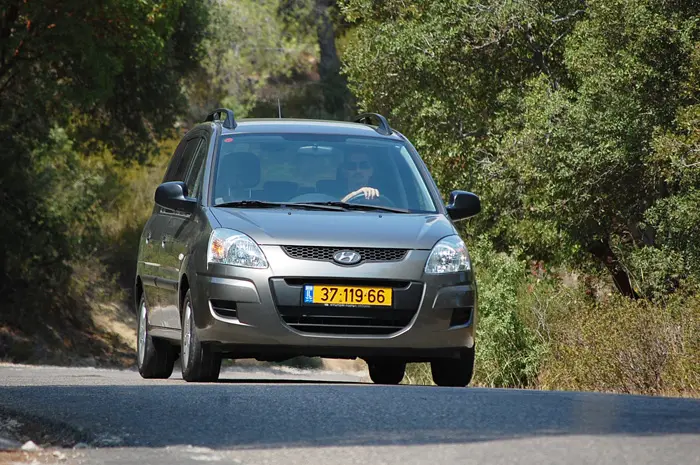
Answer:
(177, 172)
(193, 179)
(174, 161)
(409, 175)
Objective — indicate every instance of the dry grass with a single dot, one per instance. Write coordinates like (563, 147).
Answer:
(628, 347)
(418, 374)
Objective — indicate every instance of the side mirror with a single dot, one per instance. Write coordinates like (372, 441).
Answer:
(463, 205)
(173, 195)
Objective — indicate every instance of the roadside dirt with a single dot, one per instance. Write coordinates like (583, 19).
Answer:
(54, 442)
(104, 337)
(31, 458)
(22, 427)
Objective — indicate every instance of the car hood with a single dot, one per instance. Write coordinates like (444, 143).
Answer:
(337, 229)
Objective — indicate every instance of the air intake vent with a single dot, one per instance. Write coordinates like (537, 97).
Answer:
(302, 252)
(224, 308)
(461, 316)
(344, 320)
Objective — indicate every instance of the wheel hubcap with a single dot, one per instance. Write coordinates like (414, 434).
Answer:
(142, 333)
(186, 336)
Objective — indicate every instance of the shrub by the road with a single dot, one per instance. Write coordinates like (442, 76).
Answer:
(565, 331)
(627, 346)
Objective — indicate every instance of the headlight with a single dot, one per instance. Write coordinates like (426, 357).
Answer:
(232, 247)
(448, 256)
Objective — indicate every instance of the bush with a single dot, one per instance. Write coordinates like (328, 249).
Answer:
(556, 329)
(508, 352)
(628, 346)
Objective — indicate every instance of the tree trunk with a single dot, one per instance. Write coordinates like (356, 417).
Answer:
(602, 251)
(335, 89)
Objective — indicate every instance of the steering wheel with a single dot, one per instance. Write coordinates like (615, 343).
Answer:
(381, 200)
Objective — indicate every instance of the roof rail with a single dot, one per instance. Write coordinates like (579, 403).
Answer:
(229, 122)
(383, 127)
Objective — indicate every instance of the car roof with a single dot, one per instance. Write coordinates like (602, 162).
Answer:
(292, 125)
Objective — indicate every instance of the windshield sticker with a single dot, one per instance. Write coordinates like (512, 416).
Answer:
(228, 139)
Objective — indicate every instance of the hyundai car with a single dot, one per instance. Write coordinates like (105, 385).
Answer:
(277, 238)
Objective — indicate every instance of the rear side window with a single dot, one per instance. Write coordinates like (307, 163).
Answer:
(180, 169)
(174, 161)
(193, 179)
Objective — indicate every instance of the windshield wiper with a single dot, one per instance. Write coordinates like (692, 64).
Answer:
(264, 204)
(250, 204)
(315, 206)
(359, 206)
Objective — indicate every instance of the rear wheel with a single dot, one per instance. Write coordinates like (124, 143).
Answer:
(456, 372)
(198, 361)
(386, 372)
(155, 357)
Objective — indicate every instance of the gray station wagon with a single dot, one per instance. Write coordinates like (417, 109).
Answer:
(277, 238)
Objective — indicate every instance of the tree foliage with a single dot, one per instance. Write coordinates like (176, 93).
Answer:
(78, 77)
(322, 20)
(247, 45)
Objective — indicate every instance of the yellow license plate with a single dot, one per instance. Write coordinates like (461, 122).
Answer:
(347, 295)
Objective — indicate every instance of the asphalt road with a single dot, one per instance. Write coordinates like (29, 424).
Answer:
(288, 417)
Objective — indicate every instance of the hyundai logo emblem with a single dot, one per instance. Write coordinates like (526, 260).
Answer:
(346, 257)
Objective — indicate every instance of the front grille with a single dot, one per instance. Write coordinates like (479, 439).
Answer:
(224, 308)
(303, 252)
(346, 320)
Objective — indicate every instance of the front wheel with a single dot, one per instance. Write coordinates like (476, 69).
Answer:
(198, 361)
(155, 357)
(455, 372)
(386, 372)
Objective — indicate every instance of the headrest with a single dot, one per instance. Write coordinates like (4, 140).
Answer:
(280, 185)
(239, 170)
(279, 191)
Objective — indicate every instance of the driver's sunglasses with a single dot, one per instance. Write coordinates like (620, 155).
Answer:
(356, 165)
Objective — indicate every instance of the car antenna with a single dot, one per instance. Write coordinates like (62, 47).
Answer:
(279, 107)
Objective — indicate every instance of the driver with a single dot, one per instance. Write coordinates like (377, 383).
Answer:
(357, 170)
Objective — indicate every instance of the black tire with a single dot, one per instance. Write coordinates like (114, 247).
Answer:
(158, 357)
(386, 371)
(455, 372)
(201, 364)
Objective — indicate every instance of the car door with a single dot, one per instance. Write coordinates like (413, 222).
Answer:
(153, 251)
(148, 259)
(172, 248)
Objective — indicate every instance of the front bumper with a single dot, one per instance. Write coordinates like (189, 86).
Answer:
(243, 311)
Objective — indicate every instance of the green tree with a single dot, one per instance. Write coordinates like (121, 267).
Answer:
(77, 76)
(321, 19)
(247, 46)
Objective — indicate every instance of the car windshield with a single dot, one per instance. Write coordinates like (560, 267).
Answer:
(310, 168)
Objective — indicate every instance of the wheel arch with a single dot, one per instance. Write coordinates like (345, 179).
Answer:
(138, 292)
(183, 287)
